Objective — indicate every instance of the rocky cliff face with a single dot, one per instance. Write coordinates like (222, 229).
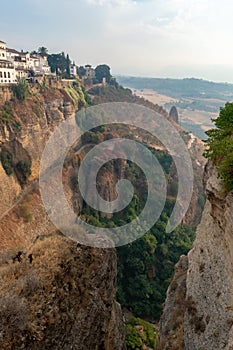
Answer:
(207, 307)
(60, 296)
(95, 321)
(53, 294)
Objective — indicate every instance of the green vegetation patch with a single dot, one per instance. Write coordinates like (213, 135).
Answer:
(21, 89)
(7, 116)
(6, 159)
(145, 266)
(220, 145)
(139, 333)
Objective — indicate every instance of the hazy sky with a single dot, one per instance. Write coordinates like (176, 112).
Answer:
(160, 38)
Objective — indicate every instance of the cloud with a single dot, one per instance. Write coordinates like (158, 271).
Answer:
(110, 3)
(134, 36)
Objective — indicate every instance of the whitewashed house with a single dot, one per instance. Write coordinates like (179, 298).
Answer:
(14, 64)
(39, 65)
(73, 70)
(7, 68)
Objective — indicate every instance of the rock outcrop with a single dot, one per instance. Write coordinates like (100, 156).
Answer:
(60, 296)
(173, 114)
(207, 311)
(171, 330)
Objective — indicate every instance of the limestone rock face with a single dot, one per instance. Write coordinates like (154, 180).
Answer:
(57, 295)
(171, 330)
(67, 297)
(206, 313)
(209, 314)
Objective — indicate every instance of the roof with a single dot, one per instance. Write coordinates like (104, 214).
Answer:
(13, 51)
(17, 52)
(2, 42)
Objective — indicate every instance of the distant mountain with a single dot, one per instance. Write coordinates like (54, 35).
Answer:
(181, 88)
(197, 101)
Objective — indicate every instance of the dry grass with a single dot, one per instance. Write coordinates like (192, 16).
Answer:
(27, 290)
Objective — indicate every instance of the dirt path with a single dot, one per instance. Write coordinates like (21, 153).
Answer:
(32, 187)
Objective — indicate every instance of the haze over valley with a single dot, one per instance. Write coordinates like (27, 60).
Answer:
(197, 101)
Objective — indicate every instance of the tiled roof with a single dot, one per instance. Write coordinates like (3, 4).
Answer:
(13, 51)
(17, 52)
(2, 42)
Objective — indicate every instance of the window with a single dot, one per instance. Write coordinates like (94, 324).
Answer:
(9, 74)
(0, 74)
(4, 74)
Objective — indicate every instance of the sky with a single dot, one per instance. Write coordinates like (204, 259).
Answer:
(154, 38)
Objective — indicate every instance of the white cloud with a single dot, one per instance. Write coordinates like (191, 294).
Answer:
(111, 2)
(134, 36)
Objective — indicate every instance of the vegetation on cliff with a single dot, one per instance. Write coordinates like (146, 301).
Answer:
(140, 334)
(145, 266)
(220, 145)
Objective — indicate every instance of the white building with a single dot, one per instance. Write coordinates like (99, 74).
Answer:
(73, 70)
(7, 68)
(14, 64)
(39, 65)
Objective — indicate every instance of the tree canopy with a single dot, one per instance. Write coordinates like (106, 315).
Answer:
(43, 51)
(103, 71)
(220, 145)
(59, 63)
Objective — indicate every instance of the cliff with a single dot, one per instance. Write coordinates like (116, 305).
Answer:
(95, 321)
(53, 294)
(60, 296)
(206, 306)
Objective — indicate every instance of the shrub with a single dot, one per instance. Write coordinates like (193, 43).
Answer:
(6, 159)
(24, 168)
(31, 283)
(25, 213)
(13, 314)
(21, 89)
(136, 338)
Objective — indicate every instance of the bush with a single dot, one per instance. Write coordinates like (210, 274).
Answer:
(13, 314)
(21, 89)
(24, 168)
(139, 332)
(6, 159)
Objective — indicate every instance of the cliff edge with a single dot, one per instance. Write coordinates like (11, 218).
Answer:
(202, 317)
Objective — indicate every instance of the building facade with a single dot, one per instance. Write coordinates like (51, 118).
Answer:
(7, 69)
(73, 70)
(19, 64)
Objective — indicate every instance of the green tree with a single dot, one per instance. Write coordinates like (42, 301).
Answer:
(103, 71)
(81, 71)
(6, 159)
(220, 145)
(68, 61)
(43, 51)
(58, 63)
